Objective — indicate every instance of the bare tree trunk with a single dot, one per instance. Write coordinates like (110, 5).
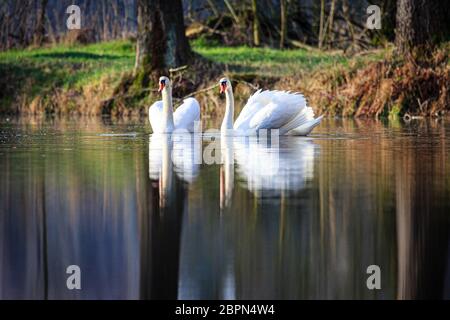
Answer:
(331, 21)
(321, 26)
(233, 13)
(104, 22)
(126, 12)
(40, 24)
(345, 14)
(177, 50)
(283, 23)
(143, 41)
(213, 7)
(161, 41)
(420, 23)
(389, 12)
(256, 40)
(116, 23)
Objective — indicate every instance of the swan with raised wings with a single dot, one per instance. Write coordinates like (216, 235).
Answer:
(282, 110)
(161, 115)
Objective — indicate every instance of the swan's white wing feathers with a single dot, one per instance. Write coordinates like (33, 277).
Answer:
(306, 114)
(262, 97)
(283, 108)
(272, 116)
(187, 114)
(242, 122)
(155, 116)
(256, 102)
(270, 110)
(305, 128)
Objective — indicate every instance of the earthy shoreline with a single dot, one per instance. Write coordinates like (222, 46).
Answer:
(375, 87)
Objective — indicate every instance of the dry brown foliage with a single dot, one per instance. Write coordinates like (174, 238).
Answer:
(392, 86)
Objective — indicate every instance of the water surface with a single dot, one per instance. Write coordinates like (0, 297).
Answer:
(302, 219)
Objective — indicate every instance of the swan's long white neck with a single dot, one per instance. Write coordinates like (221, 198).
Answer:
(227, 123)
(167, 118)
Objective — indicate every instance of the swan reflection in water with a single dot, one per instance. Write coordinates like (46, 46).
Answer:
(171, 157)
(171, 169)
(226, 171)
(267, 165)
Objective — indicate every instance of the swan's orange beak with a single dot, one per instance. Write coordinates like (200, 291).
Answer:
(161, 86)
(223, 87)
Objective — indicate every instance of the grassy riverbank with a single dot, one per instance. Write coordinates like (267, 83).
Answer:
(77, 79)
(43, 73)
(267, 62)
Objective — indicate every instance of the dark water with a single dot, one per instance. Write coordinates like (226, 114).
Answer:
(302, 221)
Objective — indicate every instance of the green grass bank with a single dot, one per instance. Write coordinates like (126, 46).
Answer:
(76, 79)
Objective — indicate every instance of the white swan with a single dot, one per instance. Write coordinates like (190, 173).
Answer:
(280, 110)
(161, 115)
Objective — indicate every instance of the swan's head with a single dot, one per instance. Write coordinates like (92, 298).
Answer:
(225, 85)
(164, 82)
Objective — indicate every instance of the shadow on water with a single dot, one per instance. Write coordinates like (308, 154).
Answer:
(144, 221)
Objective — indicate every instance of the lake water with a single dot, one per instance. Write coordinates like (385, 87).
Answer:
(297, 218)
